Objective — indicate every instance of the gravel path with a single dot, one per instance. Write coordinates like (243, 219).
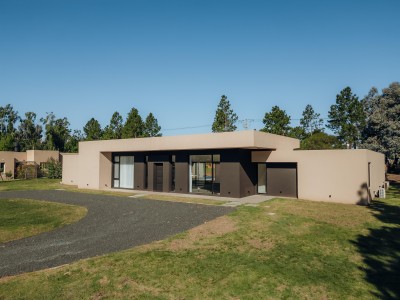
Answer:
(111, 224)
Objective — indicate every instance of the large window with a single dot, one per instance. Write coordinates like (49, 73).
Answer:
(123, 170)
(204, 174)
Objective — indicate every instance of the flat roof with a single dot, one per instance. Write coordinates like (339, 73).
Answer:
(250, 139)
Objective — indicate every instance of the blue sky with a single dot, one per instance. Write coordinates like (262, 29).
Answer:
(83, 59)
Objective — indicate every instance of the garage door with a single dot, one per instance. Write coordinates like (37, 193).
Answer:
(282, 179)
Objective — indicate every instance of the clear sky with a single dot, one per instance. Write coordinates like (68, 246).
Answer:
(83, 59)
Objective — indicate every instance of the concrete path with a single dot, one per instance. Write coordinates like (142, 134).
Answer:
(231, 202)
(112, 224)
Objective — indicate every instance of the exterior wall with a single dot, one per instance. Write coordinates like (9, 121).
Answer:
(377, 171)
(140, 172)
(10, 158)
(105, 170)
(70, 168)
(182, 173)
(332, 175)
(322, 175)
(89, 154)
(41, 156)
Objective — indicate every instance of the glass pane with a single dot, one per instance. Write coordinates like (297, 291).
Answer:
(126, 172)
(116, 171)
(116, 158)
(116, 183)
(216, 158)
(262, 178)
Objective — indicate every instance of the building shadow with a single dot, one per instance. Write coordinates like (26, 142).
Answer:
(380, 249)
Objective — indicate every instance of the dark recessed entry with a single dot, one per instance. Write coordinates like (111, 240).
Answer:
(282, 179)
(158, 177)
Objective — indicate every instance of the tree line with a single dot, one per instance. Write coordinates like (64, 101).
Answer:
(52, 133)
(372, 122)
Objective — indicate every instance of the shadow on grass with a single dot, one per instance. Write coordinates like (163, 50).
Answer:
(381, 248)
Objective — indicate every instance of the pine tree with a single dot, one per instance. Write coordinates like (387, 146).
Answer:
(134, 126)
(114, 129)
(347, 118)
(151, 127)
(225, 119)
(311, 121)
(276, 122)
(92, 130)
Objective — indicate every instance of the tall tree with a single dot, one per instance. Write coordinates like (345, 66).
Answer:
(8, 119)
(57, 132)
(92, 130)
(29, 135)
(134, 126)
(114, 129)
(347, 118)
(311, 121)
(276, 122)
(225, 119)
(151, 127)
(73, 140)
(382, 130)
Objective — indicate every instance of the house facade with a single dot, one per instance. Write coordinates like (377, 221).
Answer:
(229, 164)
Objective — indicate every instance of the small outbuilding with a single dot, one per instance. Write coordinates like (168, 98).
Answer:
(10, 160)
(229, 164)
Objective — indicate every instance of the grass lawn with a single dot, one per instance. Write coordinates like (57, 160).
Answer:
(21, 218)
(52, 184)
(284, 249)
(30, 184)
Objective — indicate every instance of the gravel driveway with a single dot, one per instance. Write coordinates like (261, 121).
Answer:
(111, 224)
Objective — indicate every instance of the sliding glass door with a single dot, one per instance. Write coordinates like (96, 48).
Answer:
(204, 173)
(123, 172)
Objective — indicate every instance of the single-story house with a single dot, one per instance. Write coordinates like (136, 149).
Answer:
(9, 160)
(229, 164)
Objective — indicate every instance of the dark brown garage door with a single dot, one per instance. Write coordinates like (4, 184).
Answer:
(282, 179)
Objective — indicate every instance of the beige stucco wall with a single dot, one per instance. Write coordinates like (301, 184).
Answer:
(9, 158)
(323, 175)
(331, 175)
(105, 167)
(91, 159)
(40, 156)
(70, 168)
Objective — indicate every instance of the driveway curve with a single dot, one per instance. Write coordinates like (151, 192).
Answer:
(112, 224)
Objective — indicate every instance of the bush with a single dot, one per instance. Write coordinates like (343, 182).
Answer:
(54, 168)
(9, 174)
(26, 171)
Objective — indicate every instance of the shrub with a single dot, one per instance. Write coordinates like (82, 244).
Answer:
(9, 174)
(26, 171)
(54, 168)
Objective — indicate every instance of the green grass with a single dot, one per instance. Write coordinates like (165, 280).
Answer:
(30, 184)
(52, 184)
(21, 218)
(284, 249)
